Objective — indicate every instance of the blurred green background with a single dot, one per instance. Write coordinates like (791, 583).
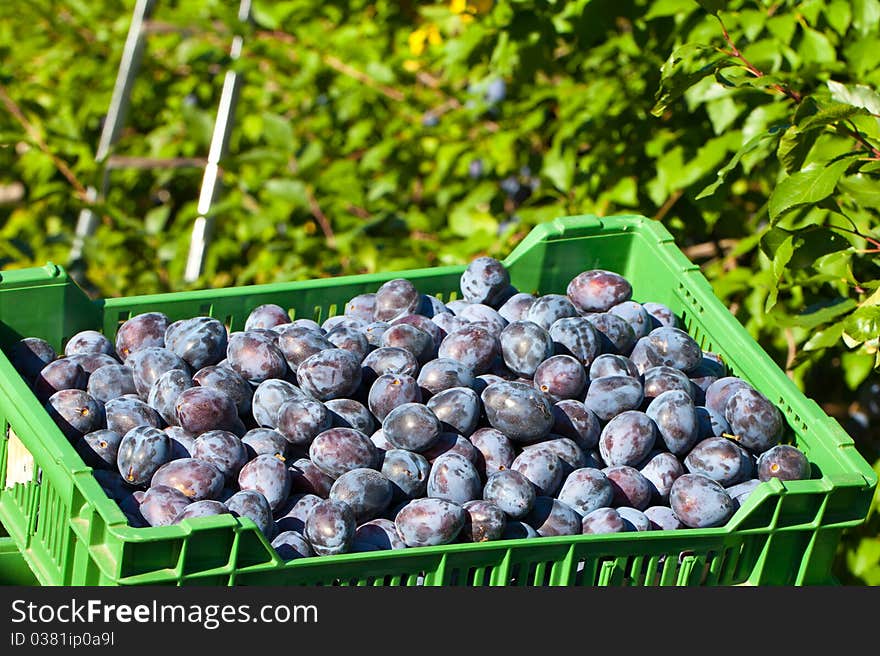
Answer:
(389, 134)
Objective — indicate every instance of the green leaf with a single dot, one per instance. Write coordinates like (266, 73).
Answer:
(816, 48)
(824, 338)
(857, 95)
(816, 318)
(863, 189)
(290, 191)
(686, 65)
(794, 146)
(864, 323)
(661, 8)
(810, 245)
(559, 168)
(780, 260)
(772, 240)
(829, 115)
(866, 15)
(712, 6)
(856, 368)
(749, 146)
(807, 186)
(838, 13)
(277, 131)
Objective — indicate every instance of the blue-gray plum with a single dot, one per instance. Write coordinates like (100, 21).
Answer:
(200, 341)
(598, 290)
(518, 410)
(473, 346)
(635, 315)
(615, 334)
(444, 373)
(126, 412)
(429, 522)
(517, 306)
(452, 443)
(661, 315)
(164, 391)
(301, 419)
(577, 337)
(373, 331)
(785, 462)
(75, 413)
(661, 470)
(389, 360)
(330, 527)
(182, 442)
(269, 476)
(266, 316)
(611, 364)
(396, 298)
(741, 491)
(517, 530)
(307, 478)
(630, 487)
(297, 343)
(408, 473)
(675, 415)
(483, 315)
(560, 377)
(141, 331)
(338, 450)
(377, 535)
(201, 409)
(254, 506)
(361, 307)
(663, 519)
(602, 521)
(265, 441)
(627, 438)
(457, 408)
(291, 545)
(609, 396)
(673, 347)
(572, 419)
(292, 516)
(63, 374)
(700, 502)
(719, 392)
(226, 380)
(484, 521)
(511, 491)
(255, 357)
(366, 491)
(551, 517)
(110, 381)
(142, 451)
(222, 449)
(662, 379)
(204, 508)
(148, 364)
(720, 459)
(542, 467)
(330, 374)
(484, 281)
(454, 478)
(349, 413)
(89, 341)
(194, 478)
(411, 426)
(549, 308)
(30, 355)
(91, 362)
(571, 455)
(755, 422)
(585, 490)
(711, 423)
(161, 504)
(390, 391)
(637, 519)
(99, 448)
(350, 339)
(496, 451)
(268, 398)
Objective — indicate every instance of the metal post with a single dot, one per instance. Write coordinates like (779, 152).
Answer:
(201, 233)
(132, 54)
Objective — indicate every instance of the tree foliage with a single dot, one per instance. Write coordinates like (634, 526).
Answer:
(388, 135)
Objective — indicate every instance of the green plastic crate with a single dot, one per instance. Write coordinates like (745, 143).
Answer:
(13, 568)
(70, 532)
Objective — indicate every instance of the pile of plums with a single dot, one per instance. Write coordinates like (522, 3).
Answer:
(407, 422)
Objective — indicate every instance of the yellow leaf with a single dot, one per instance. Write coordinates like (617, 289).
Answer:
(417, 42)
(411, 65)
(458, 6)
(434, 37)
